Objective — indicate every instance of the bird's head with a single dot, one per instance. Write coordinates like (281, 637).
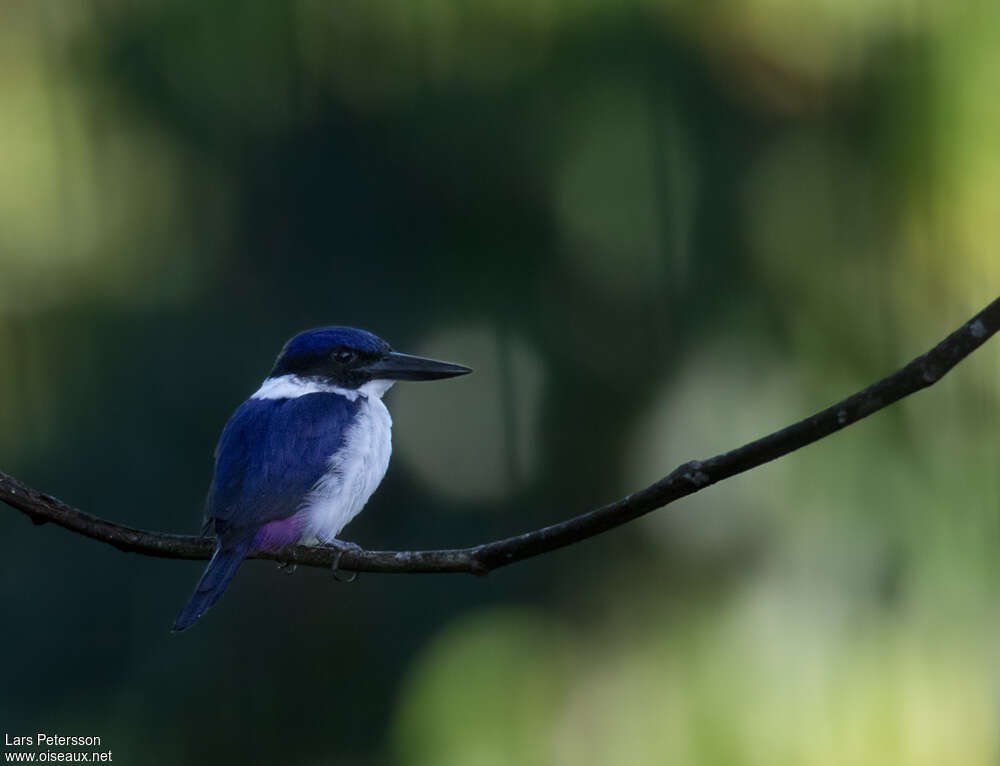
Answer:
(350, 358)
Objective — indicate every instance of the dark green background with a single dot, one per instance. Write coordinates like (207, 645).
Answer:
(655, 230)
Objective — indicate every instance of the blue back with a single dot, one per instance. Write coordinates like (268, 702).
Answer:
(270, 455)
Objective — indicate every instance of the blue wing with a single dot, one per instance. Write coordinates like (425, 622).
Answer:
(270, 454)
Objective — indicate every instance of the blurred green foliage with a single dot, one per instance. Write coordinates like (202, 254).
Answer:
(656, 230)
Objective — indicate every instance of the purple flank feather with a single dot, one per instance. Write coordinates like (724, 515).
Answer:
(278, 534)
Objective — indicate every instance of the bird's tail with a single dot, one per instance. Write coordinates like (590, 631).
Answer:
(218, 573)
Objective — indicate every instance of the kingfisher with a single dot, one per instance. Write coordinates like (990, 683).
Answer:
(300, 458)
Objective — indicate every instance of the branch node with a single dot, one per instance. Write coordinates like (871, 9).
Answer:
(696, 476)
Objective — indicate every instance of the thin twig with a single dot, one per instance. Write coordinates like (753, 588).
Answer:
(685, 480)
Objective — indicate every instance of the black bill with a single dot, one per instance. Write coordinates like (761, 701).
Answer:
(397, 366)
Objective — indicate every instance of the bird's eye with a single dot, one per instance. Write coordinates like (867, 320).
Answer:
(344, 355)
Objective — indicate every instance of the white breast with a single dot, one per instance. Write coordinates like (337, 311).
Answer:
(356, 469)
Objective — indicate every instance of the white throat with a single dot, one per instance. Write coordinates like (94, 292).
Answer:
(292, 387)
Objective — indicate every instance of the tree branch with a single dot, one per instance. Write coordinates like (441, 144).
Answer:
(685, 480)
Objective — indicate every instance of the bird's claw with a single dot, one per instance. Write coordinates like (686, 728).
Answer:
(340, 548)
(287, 567)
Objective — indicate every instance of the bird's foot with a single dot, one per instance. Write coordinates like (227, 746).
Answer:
(287, 567)
(341, 547)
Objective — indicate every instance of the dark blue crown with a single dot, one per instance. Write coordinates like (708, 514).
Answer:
(323, 339)
(312, 347)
